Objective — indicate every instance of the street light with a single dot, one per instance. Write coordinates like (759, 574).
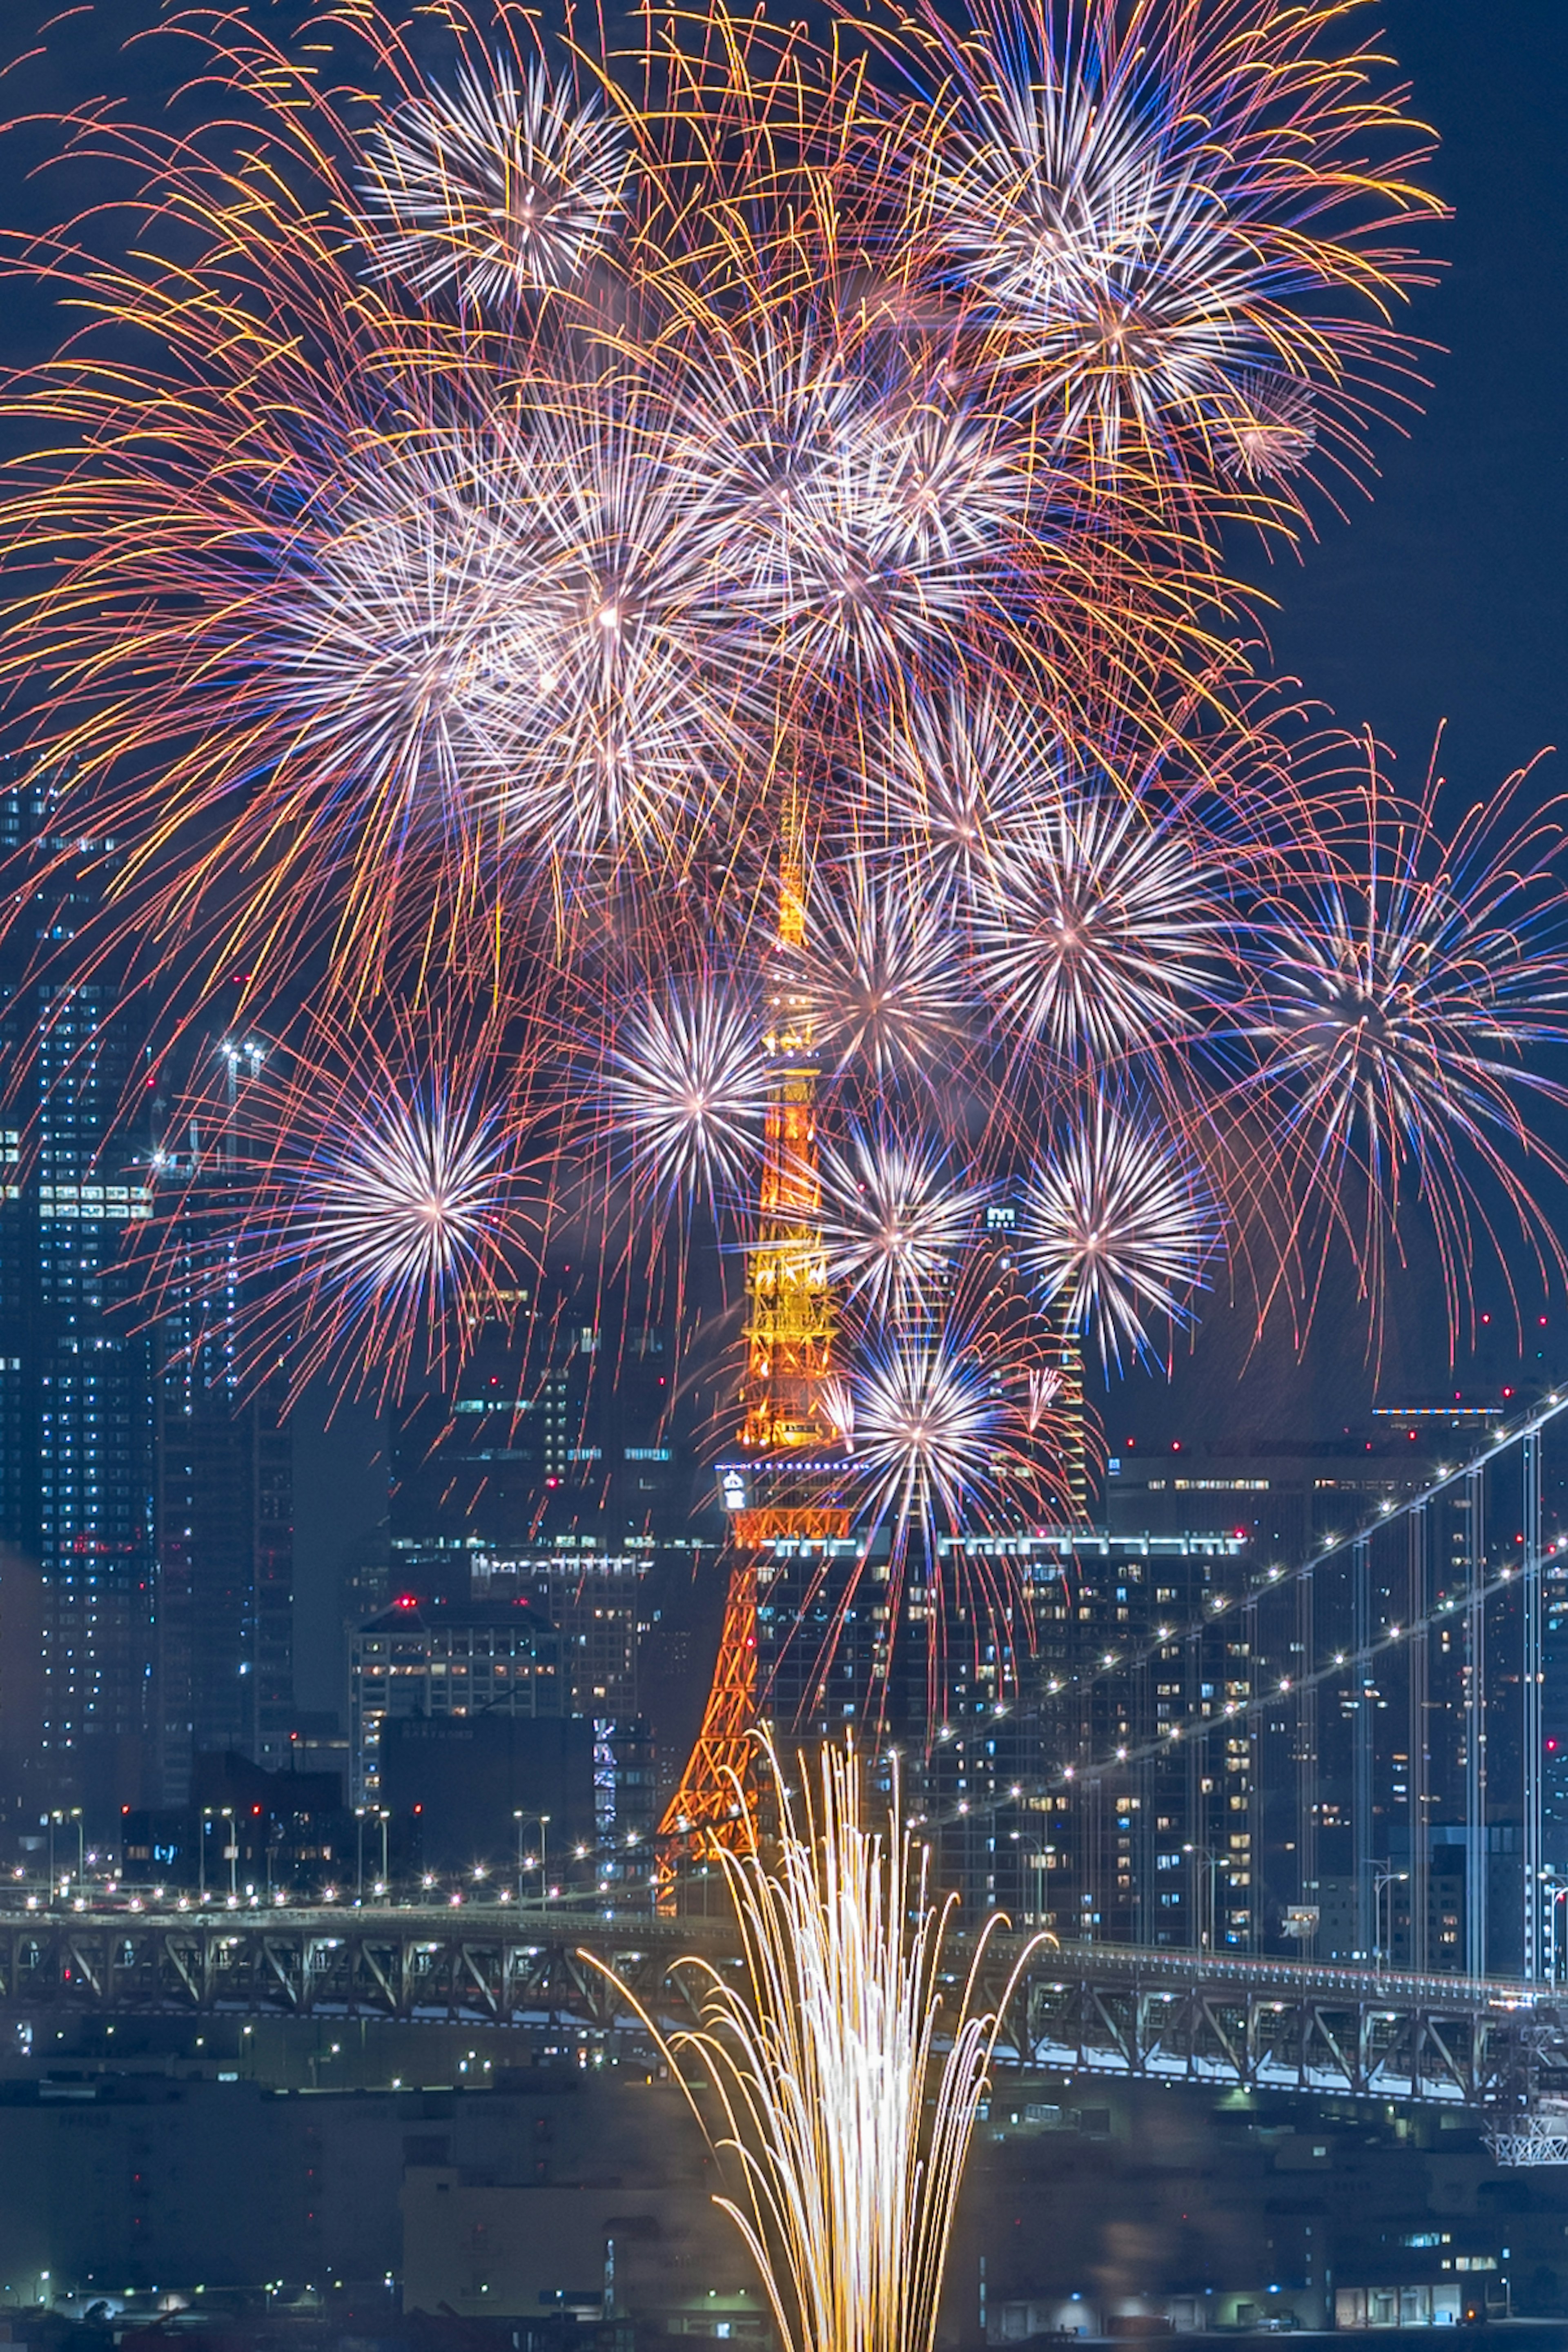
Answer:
(1213, 1861)
(1382, 1879)
(64, 1816)
(376, 1813)
(543, 1822)
(230, 1848)
(1556, 1892)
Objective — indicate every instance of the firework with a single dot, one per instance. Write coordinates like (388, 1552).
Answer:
(895, 1222)
(880, 977)
(1164, 206)
(1117, 1228)
(687, 1086)
(1099, 933)
(947, 1426)
(496, 187)
(854, 524)
(845, 2076)
(1273, 430)
(1409, 991)
(543, 504)
(368, 1206)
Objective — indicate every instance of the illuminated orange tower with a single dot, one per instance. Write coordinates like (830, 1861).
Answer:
(780, 1487)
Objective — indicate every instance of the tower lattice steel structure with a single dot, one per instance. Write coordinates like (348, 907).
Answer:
(786, 1439)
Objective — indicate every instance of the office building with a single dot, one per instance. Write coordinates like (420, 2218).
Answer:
(435, 1660)
(559, 1432)
(498, 1795)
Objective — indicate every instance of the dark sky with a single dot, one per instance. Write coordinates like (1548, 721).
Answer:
(1442, 600)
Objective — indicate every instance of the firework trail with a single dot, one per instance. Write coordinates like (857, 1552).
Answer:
(848, 2123)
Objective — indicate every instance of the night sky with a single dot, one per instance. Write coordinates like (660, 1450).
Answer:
(1442, 600)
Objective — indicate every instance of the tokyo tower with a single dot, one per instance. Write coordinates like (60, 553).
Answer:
(789, 1463)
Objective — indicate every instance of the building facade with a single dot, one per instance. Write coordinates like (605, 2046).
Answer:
(78, 1409)
(223, 1488)
(439, 1660)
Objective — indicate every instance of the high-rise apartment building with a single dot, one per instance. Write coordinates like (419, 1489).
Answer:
(77, 1425)
(559, 1433)
(154, 1513)
(225, 1491)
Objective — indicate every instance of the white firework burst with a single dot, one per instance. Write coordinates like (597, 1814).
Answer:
(368, 1200)
(407, 625)
(879, 974)
(1098, 936)
(687, 1085)
(935, 1432)
(1118, 1227)
(894, 1221)
(495, 186)
(491, 630)
(853, 526)
(405, 1198)
(961, 776)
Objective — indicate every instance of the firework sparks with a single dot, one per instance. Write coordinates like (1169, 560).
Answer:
(497, 186)
(897, 1223)
(943, 1437)
(854, 526)
(1117, 1228)
(367, 1205)
(879, 976)
(848, 2125)
(687, 1084)
(1161, 209)
(1098, 934)
(1408, 994)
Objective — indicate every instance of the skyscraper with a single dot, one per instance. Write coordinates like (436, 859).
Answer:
(558, 1433)
(76, 1430)
(224, 1491)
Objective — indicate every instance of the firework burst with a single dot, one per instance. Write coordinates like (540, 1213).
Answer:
(368, 1206)
(1118, 1227)
(1163, 206)
(1409, 992)
(687, 1086)
(948, 1430)
(1098, 933)
(880, 977)
(854, 525)
(504, 185)
(896, 1223)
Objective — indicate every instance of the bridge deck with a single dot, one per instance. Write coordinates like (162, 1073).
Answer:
(1257, 2023)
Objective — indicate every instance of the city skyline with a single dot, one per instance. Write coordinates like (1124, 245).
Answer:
(784, 973)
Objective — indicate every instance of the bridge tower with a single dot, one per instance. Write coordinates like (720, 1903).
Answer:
(784, 1480)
